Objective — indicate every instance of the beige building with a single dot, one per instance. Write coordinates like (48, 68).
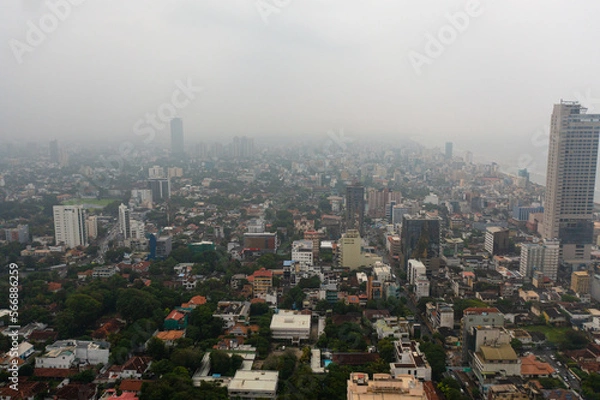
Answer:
(384, 387)
(570, 179)
(580, 282)
(351, 254)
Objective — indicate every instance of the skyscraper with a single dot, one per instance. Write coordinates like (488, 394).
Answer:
(177, 146)
(420, 237)
(355, 207)
(161, 189)
(125, 221)
(570, 179)
(70, 226)
(448, 153)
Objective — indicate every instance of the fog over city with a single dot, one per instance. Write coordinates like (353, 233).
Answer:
(482, 74)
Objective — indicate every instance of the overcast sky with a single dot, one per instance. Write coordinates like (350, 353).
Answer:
(300, 68)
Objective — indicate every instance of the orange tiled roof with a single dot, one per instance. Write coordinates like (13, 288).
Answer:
(530, 366)
(170, 335)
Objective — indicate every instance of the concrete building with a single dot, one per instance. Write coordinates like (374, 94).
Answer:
(91, 226)
(410, 361)
(232, 312)
(351, 254)
(302, 251)
(67, 353)
(496, 240)
(253, 385)
(355, 207)
(580, 282)
(262, 281)
(474, 317)
(570, 180)
(290, 325)
(494, 361)
(265, 242)
(69, 225)
(19, 234)
(542, 257)
(156, 172)
(384, 387)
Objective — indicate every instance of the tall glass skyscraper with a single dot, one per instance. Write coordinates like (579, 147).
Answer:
(570, 180)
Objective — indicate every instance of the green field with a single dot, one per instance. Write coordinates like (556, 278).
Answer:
(553, 334)
(89, 203)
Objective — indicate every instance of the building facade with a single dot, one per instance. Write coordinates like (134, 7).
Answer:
(70, 226)
(570, 179)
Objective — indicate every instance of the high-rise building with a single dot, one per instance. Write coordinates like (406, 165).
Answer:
(540, 257)
(177, 146)
(19, 234)
(91, 225)
(420, 237)
(448, 153)
(161, 189)
(496, 240)
(125, 221)
(570, 179)
(355, 207)
(70, 226)
(54, 152)
(156, 172)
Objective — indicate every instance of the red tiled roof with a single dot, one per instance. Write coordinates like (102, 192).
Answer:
(263, 272)
(176, 315)
(131, 385)
(54, 372)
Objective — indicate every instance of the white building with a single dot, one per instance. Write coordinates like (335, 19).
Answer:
(67, 353)
(410, 361)
(290, 325)
(415, 270)
(104, 271)
(253, 385)
(542, 257)
(70, 226)
(382, 272)
(302, 251)
(231, 312)
(125, 221)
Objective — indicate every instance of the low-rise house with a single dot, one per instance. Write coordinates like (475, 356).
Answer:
(253, 385)
(175, 320)
(170, 337)
(290, 325)
(65, 354)
(532, 368)
(232, 312)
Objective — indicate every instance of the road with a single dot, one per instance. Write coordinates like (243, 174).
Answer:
(561, 370)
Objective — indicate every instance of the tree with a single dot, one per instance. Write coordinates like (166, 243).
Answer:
(436, 355)
(156, 349)
(85, 308)
(517, 345)
(386, 350)
(134, 304)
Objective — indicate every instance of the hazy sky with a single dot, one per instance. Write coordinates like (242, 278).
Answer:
(299, 68)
